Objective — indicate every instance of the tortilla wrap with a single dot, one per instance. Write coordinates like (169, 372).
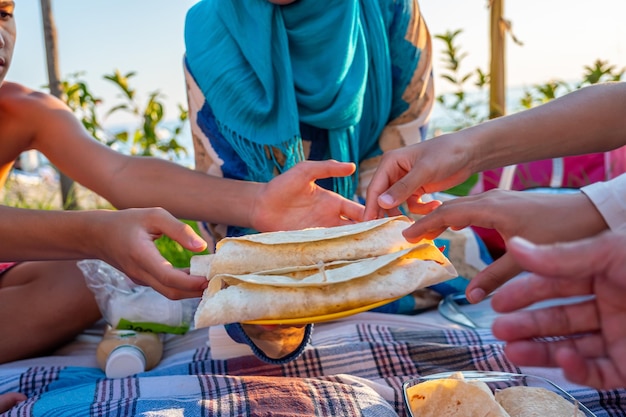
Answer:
(452, 397)
(525, 401)
(273, 250)
(316, 282)
(246, 300)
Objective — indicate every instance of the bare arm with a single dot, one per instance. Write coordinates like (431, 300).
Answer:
(588, 120)
(288, 202)
(123, 239)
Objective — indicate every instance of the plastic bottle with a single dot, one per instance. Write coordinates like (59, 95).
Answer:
(123, 353)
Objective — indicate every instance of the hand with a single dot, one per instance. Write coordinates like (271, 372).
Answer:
(125, 240)
(539, 217)
(293, 201)
(406, 174)
(591, 344)
(10, 400)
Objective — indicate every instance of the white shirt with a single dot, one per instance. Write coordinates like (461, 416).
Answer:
(609, 197)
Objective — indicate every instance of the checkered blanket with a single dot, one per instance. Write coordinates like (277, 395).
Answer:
(354, 367)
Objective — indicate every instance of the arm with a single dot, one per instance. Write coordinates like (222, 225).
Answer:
(588, 120)
(123, 239)
(610, 200)
(542, 218)
(126, 181)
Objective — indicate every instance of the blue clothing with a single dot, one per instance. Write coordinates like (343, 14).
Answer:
(270, 86)
(266, 69)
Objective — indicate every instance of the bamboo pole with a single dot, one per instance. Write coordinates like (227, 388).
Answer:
(497, 90)
(68, 196)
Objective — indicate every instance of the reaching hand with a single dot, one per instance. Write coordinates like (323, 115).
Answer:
(540, 217)
(293, 201)
(126, 241)
(406, 174)
(591, 336)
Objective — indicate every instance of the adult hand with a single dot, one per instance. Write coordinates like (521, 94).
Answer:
(293, 201)
(406, 174)
(591, 336)
(125, 240)
(539, 217)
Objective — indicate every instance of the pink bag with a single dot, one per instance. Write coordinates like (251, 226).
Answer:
(567, 172)
(549, 175)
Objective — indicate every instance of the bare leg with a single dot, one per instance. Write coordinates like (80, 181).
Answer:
(43, 305)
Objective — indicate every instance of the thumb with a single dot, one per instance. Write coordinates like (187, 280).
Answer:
(399, 192)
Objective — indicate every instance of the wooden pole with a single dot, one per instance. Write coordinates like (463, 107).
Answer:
(497, 90)
(68, 195)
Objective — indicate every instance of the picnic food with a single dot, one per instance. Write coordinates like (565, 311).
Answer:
(453, 397)
(457, 396)
(535, 401)
(312, 272)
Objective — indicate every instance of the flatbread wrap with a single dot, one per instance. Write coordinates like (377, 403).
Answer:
(453, 397)
(313, 272)
(524, 401)
(457, 396)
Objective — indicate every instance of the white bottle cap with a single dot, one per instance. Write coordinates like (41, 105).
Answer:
(125, 360)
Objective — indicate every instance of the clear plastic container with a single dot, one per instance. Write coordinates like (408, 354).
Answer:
(497, 381)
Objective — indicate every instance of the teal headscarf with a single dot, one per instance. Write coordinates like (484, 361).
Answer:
(264, 68)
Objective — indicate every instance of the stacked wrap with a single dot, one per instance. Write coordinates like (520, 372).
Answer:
(313, 272)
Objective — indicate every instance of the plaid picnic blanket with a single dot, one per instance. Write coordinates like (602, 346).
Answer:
(354, 367)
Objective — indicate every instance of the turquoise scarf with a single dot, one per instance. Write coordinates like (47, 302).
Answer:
(264, 68)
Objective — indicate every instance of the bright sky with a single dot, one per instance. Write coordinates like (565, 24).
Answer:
(98, 36)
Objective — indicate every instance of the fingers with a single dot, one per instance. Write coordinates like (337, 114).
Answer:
(399, 192)
(559, 259)
(176, 285)
(352, 212)
(418, 207)
(491, 278)
(145, 265)
(314, 170)
(532, 288)
(576, 368)
(546, 353)
(173, 283)
(457, 213)
(600, 372)
(10, 399)
(414, 234)
(583, 360)
(562, 320)
(387, 179)
(179, 232)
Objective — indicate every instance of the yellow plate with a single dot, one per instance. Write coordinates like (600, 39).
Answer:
(322, 317)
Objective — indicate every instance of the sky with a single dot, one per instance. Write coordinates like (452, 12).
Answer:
(96, 37)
